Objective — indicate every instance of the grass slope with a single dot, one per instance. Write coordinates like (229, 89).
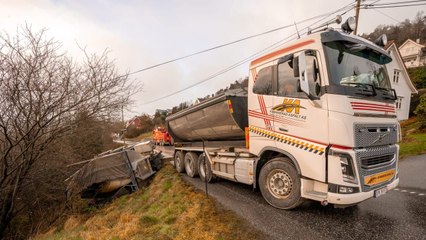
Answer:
(413, 140)
(167, 209)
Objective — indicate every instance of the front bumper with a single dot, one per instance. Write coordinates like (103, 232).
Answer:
(354, 198)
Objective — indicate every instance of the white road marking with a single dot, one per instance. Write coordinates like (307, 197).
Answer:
(406, 191)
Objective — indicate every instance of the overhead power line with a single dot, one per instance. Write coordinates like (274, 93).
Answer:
(395, 6)
(386, 15)
(216, 47)
(249, 58)
(395, 3)
(226, 44)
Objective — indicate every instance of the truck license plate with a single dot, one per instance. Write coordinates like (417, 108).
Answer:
(380, 192)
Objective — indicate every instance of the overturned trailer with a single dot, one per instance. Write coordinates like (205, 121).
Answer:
(113, 170)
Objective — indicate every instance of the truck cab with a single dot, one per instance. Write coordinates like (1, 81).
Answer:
(323, 122)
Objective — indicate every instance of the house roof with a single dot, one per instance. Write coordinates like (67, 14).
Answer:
(388, 44)
(409, 40)
(392, 47)
(131, 121)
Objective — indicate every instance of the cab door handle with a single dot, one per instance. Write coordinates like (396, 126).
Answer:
(283, 129)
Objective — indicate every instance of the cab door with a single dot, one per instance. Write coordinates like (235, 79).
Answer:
(300, 119)
(261, 100)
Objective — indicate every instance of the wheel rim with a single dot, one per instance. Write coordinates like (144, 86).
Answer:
(202, 168)
(177, 161)
(279, 183)
(190, 165)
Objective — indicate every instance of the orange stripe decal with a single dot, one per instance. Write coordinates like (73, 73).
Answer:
(281, 51)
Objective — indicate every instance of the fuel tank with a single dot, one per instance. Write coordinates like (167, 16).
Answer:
(220, 118)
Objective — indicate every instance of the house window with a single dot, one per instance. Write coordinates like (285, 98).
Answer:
(398, 103)
(396, 74)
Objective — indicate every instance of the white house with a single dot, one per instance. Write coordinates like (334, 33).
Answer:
(400, 81)
(413, 53)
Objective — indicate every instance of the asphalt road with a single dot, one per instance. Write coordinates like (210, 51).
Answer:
(399, 214)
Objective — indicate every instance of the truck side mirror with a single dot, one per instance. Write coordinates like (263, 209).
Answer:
(303, 74)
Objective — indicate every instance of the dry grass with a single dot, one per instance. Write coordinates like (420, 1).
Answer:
(167, 209)
(141, 137)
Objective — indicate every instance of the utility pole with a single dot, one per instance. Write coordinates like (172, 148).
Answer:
(358, 4)
(122, 119)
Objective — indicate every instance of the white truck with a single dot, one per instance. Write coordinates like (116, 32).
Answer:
(317, 122)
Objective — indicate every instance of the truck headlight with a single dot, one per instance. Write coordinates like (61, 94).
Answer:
(343, 189)
(348, 170)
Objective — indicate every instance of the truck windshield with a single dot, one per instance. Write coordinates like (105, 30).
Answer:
(356, 65)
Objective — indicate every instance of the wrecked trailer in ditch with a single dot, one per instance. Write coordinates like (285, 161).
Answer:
(115, 172)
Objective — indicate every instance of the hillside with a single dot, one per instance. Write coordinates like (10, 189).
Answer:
(167, 209)
(400, 32)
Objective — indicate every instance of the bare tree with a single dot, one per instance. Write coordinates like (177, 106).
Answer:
(41, 92)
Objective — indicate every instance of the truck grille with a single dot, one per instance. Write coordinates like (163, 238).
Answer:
(368, 135)
(376, 161)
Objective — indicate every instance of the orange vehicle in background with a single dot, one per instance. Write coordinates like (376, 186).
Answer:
(161, 137)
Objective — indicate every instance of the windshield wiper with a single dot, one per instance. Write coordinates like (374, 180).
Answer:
(388, 93)
(363, 88)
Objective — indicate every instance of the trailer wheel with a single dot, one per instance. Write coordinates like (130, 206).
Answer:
(279, 184)
(179, 162)
(191, 164)
(203, 171)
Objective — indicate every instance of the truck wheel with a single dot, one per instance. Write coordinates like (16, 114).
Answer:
(191, 164)
(179, 162)
(279, 184)
(203, 171)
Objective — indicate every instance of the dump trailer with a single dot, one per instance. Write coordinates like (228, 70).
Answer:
(317, 122)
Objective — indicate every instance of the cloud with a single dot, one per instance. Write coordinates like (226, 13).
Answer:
(142, 33)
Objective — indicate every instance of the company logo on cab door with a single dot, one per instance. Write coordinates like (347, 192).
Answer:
(289, 108)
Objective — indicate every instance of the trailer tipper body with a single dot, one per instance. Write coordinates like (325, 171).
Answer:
(222, 118)
(317, 122)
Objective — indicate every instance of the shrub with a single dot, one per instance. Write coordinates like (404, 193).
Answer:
(421, 111)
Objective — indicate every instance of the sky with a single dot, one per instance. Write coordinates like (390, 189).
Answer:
(139, 34)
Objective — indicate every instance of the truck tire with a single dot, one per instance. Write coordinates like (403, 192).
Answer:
(191, 164)
(279, 183)
(179, 162)
(203, 172)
